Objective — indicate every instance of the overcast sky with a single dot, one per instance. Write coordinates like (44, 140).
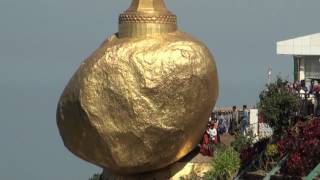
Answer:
(43, 42)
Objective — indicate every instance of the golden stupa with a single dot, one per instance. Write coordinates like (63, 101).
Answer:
(142, 100)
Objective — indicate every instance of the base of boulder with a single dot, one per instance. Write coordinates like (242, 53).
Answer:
(192, 166)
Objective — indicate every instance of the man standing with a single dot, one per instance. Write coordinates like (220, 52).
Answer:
(222, 123)
(234, 120)
(244, 121)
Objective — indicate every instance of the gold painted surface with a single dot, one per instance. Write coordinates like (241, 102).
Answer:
(148, 7)
(188, 170)
(139, 104)
(176, 171)
(146, 17)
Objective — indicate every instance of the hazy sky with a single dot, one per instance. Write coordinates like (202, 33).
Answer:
(42, 43)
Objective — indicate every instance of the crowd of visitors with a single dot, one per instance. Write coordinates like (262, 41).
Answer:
(309, 95)
(225, 121)
(236, 121)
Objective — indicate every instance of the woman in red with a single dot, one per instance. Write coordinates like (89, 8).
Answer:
(206, 147)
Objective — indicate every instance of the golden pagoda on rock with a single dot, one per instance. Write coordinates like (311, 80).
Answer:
(142, 100)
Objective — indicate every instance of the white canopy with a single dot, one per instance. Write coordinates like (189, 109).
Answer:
(305, 45)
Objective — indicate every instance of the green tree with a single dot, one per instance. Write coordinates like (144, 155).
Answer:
(278, 105)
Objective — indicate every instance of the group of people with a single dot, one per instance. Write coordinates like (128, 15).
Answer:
(232, 121)
(220, 122)
(237, 121)
(309, 94)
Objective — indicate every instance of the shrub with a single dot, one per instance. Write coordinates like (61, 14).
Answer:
(302, 144)
(241, 142)
(252, 152)
(278, 105)
(224, 165)
(272, 150)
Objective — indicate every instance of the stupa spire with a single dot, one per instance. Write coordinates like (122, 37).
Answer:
(146, 17)
(148, 7)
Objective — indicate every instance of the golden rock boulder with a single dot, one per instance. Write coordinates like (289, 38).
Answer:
(139, 103)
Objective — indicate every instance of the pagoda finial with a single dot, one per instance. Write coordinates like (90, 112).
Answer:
(154, 7)
(146, 17)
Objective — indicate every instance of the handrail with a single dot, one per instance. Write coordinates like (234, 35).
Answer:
(313, 173)
(276, 168)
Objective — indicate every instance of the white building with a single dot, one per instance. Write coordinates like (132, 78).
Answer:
(306, 55)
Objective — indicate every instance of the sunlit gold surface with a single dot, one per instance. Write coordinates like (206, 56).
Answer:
(139, 104)
(148, 7)
(176, 171)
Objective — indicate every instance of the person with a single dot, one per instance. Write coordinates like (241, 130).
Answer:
(317, 111)
(296, 88)
(244, 121)
(311, 87)
(227, 117)
(304, 97)
(205, 147)
(211, 117)
(216, 125)
(221, 123)
(217, 137)
(212, 131)
(234, 120)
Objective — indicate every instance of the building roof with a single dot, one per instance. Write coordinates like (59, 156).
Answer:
(305, 45)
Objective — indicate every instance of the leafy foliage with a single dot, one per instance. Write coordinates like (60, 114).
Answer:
(248, 148)
(248, 154)
(224, 165)
(241, 142)
(302, 143)
(278, 104)
(271, 150)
